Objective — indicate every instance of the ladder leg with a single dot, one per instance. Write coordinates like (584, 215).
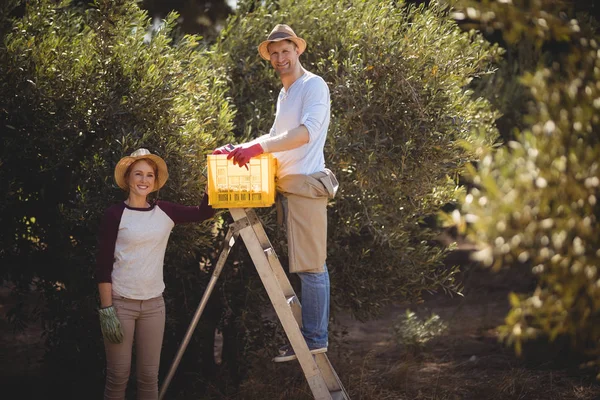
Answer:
(332, 381)
(228, 244)
(284, 313)
(331, 377)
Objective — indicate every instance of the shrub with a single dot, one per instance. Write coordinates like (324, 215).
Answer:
(82, 87)
(536, 200)
(413, 332)
(397, 76)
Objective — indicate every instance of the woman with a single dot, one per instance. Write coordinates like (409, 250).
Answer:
(132, 242)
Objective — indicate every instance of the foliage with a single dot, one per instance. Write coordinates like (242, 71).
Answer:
(504, 89)
(82, 87)
(397, 77)
(413, 332)
(536, 200)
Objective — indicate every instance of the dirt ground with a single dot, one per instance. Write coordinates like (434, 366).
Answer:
(465, 362)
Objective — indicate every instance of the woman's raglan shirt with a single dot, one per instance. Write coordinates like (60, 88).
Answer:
(133, 241)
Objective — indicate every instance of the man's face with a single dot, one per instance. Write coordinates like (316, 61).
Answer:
(284, 57)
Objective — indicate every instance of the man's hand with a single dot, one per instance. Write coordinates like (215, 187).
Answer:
(242, 154)
(110, 325)
(224, 149)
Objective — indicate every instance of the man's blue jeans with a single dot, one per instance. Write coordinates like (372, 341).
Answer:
(314, 300)
(315, 308)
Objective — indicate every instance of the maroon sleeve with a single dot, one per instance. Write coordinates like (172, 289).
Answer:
(107, 238)
(181, 214)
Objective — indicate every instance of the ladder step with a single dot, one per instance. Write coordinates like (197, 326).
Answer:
(294, 304)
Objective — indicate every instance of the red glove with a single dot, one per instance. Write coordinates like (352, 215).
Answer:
(224, 149)
(242, 154)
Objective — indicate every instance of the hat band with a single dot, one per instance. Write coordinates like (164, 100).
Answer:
(279, 35)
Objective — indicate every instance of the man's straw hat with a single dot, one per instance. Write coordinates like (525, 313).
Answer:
(139, 154)
(281, 32)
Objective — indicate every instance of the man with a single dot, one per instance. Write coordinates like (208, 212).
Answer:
(304, 184)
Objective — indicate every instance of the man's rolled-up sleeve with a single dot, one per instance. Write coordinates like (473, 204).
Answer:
(315, 107)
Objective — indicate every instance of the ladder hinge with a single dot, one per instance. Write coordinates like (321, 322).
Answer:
(240, 224)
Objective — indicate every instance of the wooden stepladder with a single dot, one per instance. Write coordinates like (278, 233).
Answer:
(320, 375)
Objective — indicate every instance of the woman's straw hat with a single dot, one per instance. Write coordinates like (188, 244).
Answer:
(281, 32)
(139, 154)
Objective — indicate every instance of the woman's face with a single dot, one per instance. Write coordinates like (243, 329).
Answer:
(142, 179)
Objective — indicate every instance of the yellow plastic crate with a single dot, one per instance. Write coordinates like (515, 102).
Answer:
(230, 186)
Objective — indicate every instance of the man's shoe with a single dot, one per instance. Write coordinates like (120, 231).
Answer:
(286, 353)
(284, 349)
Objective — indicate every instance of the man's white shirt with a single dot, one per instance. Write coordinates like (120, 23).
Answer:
(306, 102)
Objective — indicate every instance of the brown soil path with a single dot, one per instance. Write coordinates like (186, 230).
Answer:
(466, 362)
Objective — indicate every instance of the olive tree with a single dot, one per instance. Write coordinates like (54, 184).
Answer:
(81, 87)
(535, 200)
(401, 112)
